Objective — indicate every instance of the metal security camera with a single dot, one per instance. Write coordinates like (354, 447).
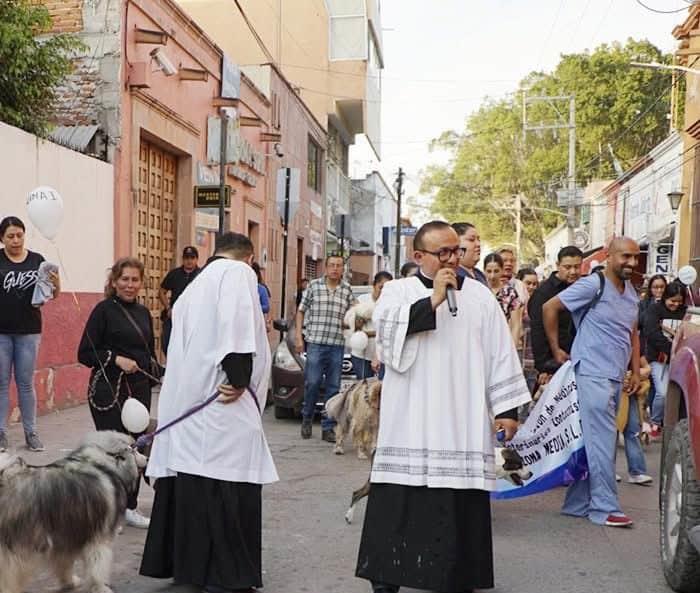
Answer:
(164, 63)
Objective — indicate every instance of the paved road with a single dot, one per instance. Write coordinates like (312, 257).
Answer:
(308, 548)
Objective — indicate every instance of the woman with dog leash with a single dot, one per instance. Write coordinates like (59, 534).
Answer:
(118, 345)
(20, 326)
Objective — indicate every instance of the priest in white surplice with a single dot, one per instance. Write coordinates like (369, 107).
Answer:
(450, 383)
(206, 521)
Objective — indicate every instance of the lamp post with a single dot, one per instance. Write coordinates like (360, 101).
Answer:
(674, 199)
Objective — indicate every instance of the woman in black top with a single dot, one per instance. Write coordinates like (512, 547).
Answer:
(658, 344)
(118, 344)
(20, 327)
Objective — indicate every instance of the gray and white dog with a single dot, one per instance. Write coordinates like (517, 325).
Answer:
(52, 516)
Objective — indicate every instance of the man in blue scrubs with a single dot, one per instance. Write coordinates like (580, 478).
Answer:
(606, 341)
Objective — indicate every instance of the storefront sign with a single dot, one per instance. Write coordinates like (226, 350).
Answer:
(207, 196)
(663, 257)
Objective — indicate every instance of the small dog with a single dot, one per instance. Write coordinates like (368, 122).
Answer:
(509, 466)
(68, 510)
(356, 411)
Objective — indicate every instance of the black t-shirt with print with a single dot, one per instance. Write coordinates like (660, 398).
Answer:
(17, 280)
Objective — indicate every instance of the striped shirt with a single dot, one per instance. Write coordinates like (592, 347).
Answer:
(324, 311)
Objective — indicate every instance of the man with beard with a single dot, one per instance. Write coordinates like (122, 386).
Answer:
(606, 341)
(210, 467)
(568, 271)
(469, 239)
(428, 518)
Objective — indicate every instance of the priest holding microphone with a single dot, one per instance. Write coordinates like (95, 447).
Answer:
(453, 378)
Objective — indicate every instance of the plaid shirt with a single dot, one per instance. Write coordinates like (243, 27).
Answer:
(324, 311)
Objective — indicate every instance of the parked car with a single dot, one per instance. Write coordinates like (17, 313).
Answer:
(679, 491)
(287, 384)
(288, 374)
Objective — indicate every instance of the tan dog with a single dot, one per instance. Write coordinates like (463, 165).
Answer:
(356, 411)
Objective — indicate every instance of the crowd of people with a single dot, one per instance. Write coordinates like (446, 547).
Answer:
(504, 337)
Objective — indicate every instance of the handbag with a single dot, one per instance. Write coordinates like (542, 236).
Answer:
(155, 370)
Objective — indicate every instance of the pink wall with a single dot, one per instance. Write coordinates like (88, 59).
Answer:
(297, 124)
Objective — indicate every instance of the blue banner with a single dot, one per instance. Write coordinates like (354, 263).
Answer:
(550, 443)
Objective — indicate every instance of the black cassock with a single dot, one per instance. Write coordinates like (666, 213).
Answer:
(438, 539)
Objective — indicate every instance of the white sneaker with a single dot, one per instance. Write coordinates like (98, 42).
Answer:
(136, 519)
(641, 479)
(618, 478)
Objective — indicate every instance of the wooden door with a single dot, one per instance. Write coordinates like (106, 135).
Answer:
(156, 224)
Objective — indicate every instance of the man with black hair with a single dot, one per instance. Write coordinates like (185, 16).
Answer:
(470, 240)
(206, 522)
(172, 286)
(319, 327)
(569, 260)
(428, 518)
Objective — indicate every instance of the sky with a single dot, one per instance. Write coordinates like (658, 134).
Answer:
(439, 64)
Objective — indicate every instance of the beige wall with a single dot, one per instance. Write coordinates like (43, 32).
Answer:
(86, 186)
(297, 41)
(688, 51)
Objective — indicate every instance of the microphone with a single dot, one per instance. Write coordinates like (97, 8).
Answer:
(452, 300)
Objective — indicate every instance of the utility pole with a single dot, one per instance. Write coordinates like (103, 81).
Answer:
(285, 244)
(571, 208)
(518, 225)
(570, 193)
(399, 192)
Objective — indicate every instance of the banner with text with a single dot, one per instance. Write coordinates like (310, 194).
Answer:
(550, 442)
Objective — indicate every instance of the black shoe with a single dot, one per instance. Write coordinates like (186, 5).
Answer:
(377, 588)
(328, 435)
(306, 429)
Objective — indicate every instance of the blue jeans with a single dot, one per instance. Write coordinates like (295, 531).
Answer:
(659, 377)
(636, 463)
(322, 360)
(596, 496)
(18, 352)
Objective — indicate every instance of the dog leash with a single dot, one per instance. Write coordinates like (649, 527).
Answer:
(146, 439)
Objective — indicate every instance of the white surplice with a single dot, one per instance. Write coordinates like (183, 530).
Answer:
(443, 387)
(218, 314)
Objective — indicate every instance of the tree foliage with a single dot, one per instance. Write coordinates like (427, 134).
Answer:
(31, 67)
(491, 161)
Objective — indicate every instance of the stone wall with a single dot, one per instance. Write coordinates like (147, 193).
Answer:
(92, 93)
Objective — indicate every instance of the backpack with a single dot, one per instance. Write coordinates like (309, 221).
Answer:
(594, 300)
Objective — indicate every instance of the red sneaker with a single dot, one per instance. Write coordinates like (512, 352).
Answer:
(618, 521)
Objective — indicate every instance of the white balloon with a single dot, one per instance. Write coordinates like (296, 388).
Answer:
(45, 210)
(687, 275)
(359, 341)
(135, 416)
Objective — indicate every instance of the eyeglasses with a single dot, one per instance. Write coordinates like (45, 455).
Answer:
(446, 253)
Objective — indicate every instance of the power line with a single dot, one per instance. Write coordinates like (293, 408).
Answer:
(649, 8)
(258, 39)
(551, 31)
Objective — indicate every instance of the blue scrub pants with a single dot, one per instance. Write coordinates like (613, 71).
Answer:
(596, 496)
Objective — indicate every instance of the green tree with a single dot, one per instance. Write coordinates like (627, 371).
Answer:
(31, 66)
(491, 161)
